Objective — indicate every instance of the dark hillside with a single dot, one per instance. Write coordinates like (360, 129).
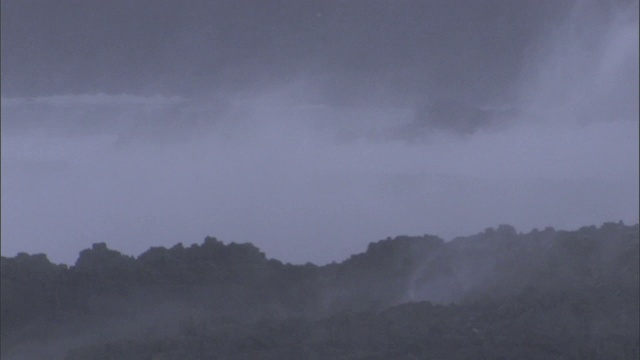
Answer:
(549, 294)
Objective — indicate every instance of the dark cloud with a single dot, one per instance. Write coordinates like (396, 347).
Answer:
(312, 128)
(454, 48)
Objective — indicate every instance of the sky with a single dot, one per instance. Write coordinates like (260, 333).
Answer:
(312, 128)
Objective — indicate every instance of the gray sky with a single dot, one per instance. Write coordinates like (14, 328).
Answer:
(311, 128)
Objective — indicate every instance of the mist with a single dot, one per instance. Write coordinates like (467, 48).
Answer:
(313, 165)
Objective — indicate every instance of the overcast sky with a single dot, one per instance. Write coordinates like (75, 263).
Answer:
(311, 128)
